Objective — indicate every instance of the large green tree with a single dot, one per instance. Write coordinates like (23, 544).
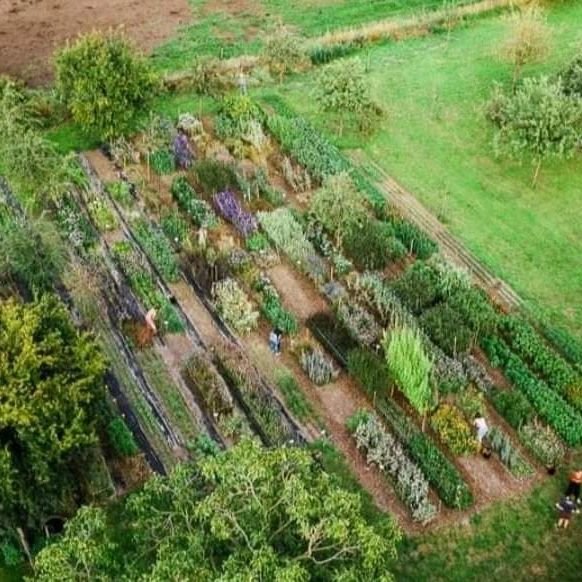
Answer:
(104, 83)
(51, 380)
(538, 120)
(248, 513)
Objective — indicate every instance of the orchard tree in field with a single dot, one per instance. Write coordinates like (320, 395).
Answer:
(104, 83)
(283, 53)
(338, 206)
(410, 368)
(538, 121)
(527, 39)
(342, 88)
(248, 513)
(51, 380)
(572, 78)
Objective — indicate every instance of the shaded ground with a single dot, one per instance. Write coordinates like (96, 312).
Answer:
(31, 30)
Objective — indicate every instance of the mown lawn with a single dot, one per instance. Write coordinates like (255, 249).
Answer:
(228, 29)
(435, 141)
(514, 540)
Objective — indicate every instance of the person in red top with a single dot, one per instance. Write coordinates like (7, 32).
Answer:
(574, 485)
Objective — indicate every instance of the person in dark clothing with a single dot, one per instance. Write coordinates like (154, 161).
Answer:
(574, 485)
(566, 507)
(275, 341)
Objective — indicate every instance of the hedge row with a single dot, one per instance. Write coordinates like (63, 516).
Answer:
(550, 406)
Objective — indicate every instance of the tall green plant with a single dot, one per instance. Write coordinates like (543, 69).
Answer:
(410, 367)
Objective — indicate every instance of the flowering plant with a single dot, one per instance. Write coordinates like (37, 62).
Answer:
(230, 208)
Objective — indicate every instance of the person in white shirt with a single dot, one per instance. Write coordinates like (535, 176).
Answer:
(481, 427)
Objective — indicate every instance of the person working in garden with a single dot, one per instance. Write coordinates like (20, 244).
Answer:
(481, 427)
(574, 484)
(275, 341)
(567, 508)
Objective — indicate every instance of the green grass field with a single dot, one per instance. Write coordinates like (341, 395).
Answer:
(436, 142)
(224, 29)
(514, 540)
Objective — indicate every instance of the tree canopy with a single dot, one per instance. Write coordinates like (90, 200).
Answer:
(51, 379)
(247, 513)
(104, 83)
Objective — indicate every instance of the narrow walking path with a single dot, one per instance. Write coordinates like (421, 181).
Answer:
(410, 208)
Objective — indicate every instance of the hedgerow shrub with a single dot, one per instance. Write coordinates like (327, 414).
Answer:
(369, 370)
(414, 240)
(418, 288)
(372, 245)
(104, 83)
(447, 329)
(571, 77)
(453, 430)
(513, 406)
(475, 309)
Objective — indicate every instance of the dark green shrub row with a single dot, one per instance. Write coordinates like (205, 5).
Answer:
(121, 438)
(418, 288)
(549, 405)
(414, 239)
(513, 406)
(569, 347)
(370, 371)
(215, 176)
(323, 54)
(373, 245)
(446, 327)
(543, 360)
(440, 472)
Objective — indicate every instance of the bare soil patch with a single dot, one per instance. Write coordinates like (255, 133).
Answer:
(31, 30)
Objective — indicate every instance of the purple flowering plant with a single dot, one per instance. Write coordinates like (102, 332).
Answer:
(230, 209)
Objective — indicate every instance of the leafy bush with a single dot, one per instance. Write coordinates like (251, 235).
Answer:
(158, 249)
(121, 438)
(453, 430)
(257, 242)
(234, 306)
(287, 235)
(550, 406)
(441, 473)
(283, 53)
(360, 324)
(273, 309)
(542, 359)
(513, 406)
(418, 288)
(414, 240)
(199, 210)
(174, 227)
(104, 83)
(471, 403)
(372, 245)
(369, 370)
(162, 162)
(384, 451)
(317, 366)
(446, 328)
(215, 176)
(201, 377)
(409, 367)
(121, 192)
(475, 309)
(543, 443)
(229, 208)
(102, 215)
(294, 397)
(509, 455)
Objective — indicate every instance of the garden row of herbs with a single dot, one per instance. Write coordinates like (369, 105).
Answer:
(264, 185)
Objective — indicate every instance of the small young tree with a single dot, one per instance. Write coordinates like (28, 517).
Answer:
(537, 120)
(527, 39)
(410, 368)
(342, 88)
(283, 54)
(104, 83)
(338, 205)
